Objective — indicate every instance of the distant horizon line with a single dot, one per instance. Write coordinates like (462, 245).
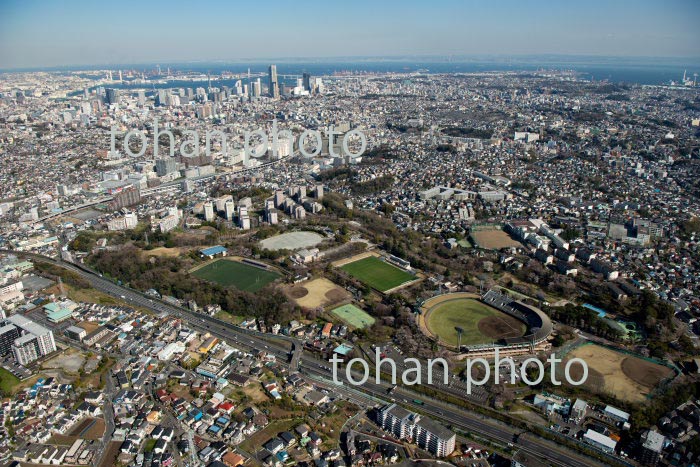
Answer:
(437, 58)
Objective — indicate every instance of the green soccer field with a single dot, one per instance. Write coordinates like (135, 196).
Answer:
(353, 316)
(231, 273)
(377, 274)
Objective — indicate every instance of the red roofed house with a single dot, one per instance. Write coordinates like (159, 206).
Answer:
(326, 332)
(226, 407)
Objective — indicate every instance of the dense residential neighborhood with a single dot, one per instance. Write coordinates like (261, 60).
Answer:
(369, 265)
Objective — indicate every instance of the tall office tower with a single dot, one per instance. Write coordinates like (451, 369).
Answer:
(271, 216)
(188, 186)
(274, 85)
(165, 166)
(238, 88)
(127, 197)
(306, 81)
(85, 108)
(279, 198)
(111, 96)
(162, 97)
(209, 211)
(318, 85)
(221, 202)
(256, 88)
(131, 220)
(142, 98)
(229, 209)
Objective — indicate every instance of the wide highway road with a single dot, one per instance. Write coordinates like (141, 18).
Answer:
(282, 347)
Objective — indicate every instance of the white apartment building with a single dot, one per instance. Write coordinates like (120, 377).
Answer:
(426, 433)
(34, 341)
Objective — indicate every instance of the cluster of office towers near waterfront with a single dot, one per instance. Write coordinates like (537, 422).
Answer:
(306, 84)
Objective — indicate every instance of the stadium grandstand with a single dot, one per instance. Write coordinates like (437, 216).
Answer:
(539, 326)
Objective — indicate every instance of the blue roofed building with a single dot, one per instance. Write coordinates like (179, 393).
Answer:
(59, 315)
(214, 251)
(343, 350)
(59, 311)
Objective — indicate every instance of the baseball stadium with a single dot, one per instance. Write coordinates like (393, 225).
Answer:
(478, 325)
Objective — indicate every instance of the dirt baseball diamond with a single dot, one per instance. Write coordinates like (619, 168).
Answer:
(625, 376)
(500, 327)
(298, 291)
(316, 293)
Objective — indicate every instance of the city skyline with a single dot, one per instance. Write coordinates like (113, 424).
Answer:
(38, 35)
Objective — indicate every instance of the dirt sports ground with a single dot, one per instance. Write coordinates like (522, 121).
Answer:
(165, 252)
(316, 293)
(493, 239)
(625, 376)
(352, 259)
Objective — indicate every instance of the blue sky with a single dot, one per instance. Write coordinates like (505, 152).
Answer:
(77, 32)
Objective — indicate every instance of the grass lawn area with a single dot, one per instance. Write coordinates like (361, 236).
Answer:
(228, 317)
(329, 427)
(230, 273)
(254, 443)
(353, 316)
(94, 296)
(255, 393)
(149, 445)
(445, 317)
(8, 382)
(377, 274)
